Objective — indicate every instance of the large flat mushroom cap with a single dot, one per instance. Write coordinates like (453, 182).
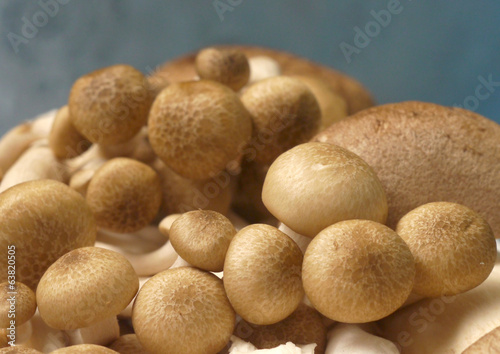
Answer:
(423, 152)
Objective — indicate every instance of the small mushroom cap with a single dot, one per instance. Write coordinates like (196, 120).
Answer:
(109, 106)
(125, 195)
(202, 238)
(303, 326)
(128, 344)
(197, 128)
(65, 141)
(19, 350)
(183, 310)
(85, 286)
(315, 185)
(262, 274)
(43, 219)
(84, 348)
(284, 112)
(453, 246)
(227, 66)
(23, 307)
(357, 271)
(489, 343)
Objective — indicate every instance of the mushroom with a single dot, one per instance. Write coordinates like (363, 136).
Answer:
(84, 348)
(202, 238)
(489, 343)
(127, 311)
(262, 67)
(262, 274)
(45, 338)
(128, 344)
(109, 106)
(284, 112)
(17, 307)
(65, 141)
(303, 326)
(447, 324)
(454, 248)
(350, 338)
(102, 333)
(228, 66)
(19, 350)
(42, 220)
(87, 287)
(124, 195)
(239, 346)
(423, 152)
(315, 185)
(357, 271)
(183, 310)
(197, 128)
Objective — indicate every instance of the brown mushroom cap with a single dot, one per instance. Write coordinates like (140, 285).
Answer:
(202, 237)
(262, 274)
(284, 112)
(19, 350)
(128, 344)
(453, 246)
(65, 141)
(315, 185)
(304, 326)
(183, 310)
(125, 195)
(198, 127)
(23, 308)
(423, 152)
(489, 343)
(356, 96)
(43, 219)
(357, 271)
(228, 66)
(110, 105)
(85, 286)
(84, 348)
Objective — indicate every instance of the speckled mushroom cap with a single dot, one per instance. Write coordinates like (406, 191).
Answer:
(43, 219)
(183, 310)
(24, 306)
(85, 286)
(356, 96)
(125, 195)
(110, 105)
(228, 66)
(304, 326)
(65, 141)
(84, 348)
(262, 274)
(423, 152)
(201, 238)
(489, 343)
(128, 344)
(284, 112)
(197, 128)
(357, 271)
(453, 246)
(19, 350)
(315, 185)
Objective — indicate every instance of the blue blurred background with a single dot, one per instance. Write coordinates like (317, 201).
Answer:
(446, 52)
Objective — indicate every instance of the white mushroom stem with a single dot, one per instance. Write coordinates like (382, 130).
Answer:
(301, 240)
(143, 241)
(237, 221)
(262, 67)
(80, 181)
(19, 334)
(91, 159)
(239, 346)
(446, 324)
(16, 141)
(38, 162)
(350, 338)
(101, 333)
(45, 338)
(180, 262)
(127, 312)
(166, 224)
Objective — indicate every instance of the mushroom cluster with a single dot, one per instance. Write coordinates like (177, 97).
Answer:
(224, 205)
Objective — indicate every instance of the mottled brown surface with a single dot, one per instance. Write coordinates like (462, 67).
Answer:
(423, 152)
(24, 305)
(84, 348)
(65, 141)
(19, 350)
(128, 344)
(489, 343)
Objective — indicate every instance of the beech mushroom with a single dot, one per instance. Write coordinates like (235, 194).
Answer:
(350, 338)
(84, 348)
(65, 141)
(239, 346)
(357, 271)
(128, 344)
(202, 238)
(262, 67)
(197, 128)
(284, 112)
(315, 185)
(262, 274)
(489, 343)
(183, 310)
(45, 338)
(19, 350)
(43, 220)
(110, 105)
(227, 66)
(17, 307)
(124, 195)
(84, 288)
(453, 246)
